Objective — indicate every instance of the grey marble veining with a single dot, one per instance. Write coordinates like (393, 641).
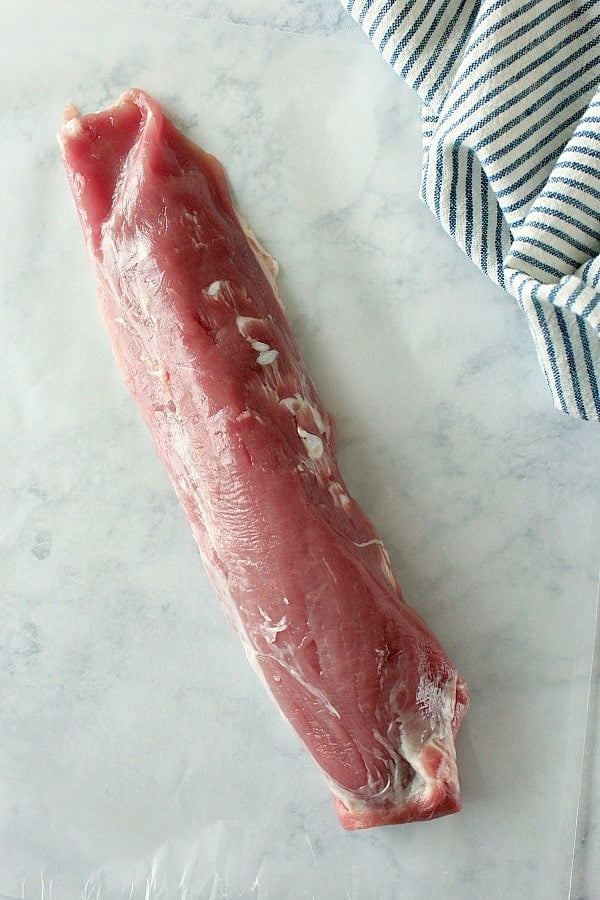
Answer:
(322, 17)
(140, 757)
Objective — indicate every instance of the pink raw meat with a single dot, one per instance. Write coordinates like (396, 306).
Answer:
(189, 300)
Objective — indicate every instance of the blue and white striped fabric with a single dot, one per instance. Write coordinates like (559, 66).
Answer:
(511, 163)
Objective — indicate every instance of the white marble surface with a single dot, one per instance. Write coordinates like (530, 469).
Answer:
(319, 17)
(139, 755)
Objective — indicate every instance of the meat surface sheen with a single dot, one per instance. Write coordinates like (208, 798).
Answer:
(190, 303)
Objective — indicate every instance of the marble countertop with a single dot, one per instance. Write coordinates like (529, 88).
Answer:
(140, 757)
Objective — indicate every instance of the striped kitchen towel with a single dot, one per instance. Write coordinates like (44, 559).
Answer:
(511, 156)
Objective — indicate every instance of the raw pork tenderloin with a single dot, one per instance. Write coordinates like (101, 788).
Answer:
(191, 306)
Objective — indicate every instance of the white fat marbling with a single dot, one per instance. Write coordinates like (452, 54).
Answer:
(140, 756)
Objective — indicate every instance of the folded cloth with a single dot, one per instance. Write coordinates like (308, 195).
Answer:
(511, 163)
